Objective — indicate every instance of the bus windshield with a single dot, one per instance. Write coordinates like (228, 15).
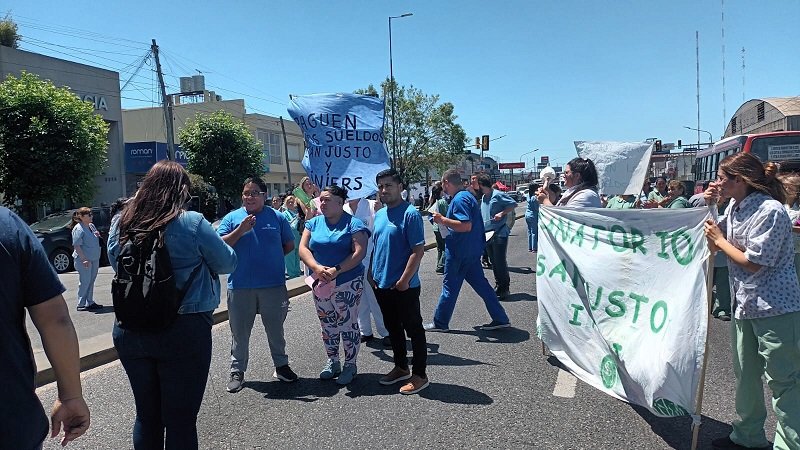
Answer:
(783, 149)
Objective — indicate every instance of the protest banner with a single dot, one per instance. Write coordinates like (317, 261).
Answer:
(621, 166)
(623, 302)
(344, 140)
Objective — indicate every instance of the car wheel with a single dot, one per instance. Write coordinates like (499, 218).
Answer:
(61, 260)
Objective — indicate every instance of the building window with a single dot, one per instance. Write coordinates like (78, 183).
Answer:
(760, 111)
(733, 125)
(272, 146)
(294, 152)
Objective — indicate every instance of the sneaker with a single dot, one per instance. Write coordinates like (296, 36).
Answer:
(440, 271)
(348, 373)
(503, 293)
(94, 307)
(397, 374)
(81, 308)
(236, 383)
(726, 443)
(414, 385)
(366, 338)
(332, 369)
(494, 325)
(284, 373)
(723, 316)
(433, 327)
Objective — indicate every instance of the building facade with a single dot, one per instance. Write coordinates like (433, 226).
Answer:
(92, 84)
(145, 140)
(764, 116)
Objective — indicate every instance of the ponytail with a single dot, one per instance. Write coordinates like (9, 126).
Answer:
(760, 177)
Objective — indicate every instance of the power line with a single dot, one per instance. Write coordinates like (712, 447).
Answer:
(73, 31)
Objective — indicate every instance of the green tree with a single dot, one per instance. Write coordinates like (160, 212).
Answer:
(221, 149)
(428, 136)
(9, 37)
(205, 196)
(52, 144)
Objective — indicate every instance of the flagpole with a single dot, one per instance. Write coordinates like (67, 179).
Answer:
(696, 422)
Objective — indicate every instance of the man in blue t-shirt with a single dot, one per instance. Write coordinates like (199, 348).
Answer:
(495, 206)
(399, 243)
(27, 281)
(261, 237)
(462, 251)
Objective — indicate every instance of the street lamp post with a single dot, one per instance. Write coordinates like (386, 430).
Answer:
(710, 136)
(528, 153)
(392, 86)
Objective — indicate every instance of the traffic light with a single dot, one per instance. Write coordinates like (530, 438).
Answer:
(658, 145)
(485, 142)
(679, 143)
(477, 143)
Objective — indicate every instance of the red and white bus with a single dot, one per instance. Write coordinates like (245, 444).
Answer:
(781, 146)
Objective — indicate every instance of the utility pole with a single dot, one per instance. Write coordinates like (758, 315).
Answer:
(166, 102)
(286, 153)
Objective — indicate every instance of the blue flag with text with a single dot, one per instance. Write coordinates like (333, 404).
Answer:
(344, 140)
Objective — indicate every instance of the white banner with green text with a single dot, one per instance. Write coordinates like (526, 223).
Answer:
(622, 300)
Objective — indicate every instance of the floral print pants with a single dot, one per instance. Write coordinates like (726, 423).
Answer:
(338, 316)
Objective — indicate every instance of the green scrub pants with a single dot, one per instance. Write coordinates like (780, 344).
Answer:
(770, 347)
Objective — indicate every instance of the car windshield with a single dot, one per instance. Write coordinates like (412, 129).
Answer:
(52, 222)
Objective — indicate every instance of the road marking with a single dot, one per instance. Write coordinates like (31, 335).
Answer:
(565, 384)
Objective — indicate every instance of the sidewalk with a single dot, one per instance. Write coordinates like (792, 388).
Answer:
(94, 328)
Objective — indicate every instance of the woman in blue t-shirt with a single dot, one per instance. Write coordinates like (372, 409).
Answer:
(332, 246)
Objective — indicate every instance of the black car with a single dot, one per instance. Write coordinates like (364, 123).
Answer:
(56, 237)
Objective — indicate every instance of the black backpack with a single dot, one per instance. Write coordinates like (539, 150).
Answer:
(143, 290)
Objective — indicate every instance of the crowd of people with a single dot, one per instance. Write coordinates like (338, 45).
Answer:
(364, 257)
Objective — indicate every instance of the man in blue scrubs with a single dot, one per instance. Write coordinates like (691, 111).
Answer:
(462, 251)
(261, 236)
(399, 243)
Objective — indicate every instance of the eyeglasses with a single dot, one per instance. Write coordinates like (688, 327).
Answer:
(252, 194)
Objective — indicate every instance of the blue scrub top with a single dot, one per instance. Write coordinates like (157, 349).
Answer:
(464, 208)
(333, 243)
(397, 231)
(260, 250)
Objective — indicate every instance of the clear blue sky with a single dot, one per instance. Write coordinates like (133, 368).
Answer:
(542, 73)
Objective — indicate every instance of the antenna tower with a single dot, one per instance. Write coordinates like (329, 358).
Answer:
(724, 112)
(744, 99)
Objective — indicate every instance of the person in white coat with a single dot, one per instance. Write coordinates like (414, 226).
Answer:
(364, 209)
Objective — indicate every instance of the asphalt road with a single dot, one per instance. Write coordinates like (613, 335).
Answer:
(488, 389)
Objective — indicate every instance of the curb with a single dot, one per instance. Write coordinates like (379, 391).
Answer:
(109, 354)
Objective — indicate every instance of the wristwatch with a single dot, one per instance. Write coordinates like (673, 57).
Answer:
(338, 268)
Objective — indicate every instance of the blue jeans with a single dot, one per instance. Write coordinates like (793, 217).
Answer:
(456, 271)
(497, 248)
(168, 371)
(533, 233)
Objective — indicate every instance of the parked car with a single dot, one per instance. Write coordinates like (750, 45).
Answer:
(517, 196)
(56, 237)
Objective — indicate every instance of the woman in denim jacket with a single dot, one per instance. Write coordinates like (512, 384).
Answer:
(168, 368)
